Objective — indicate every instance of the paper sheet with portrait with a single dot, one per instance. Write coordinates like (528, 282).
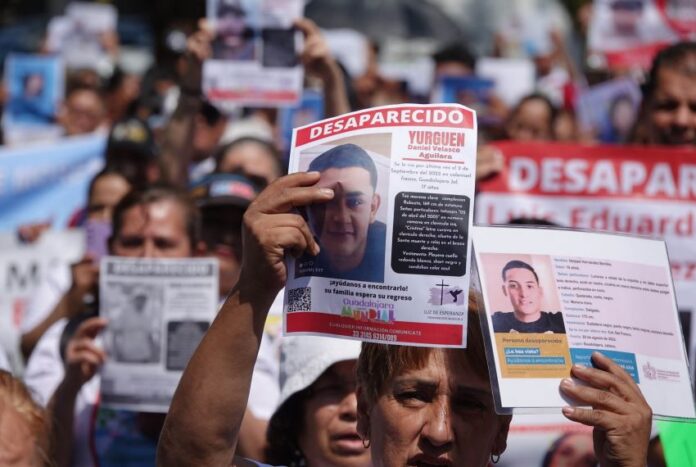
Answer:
(394, 260)
(254, 53)
(553, 297)
(157, 312)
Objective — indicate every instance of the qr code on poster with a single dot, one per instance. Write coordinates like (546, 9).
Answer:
(300, 299)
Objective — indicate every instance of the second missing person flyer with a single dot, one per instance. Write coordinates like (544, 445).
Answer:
(395, 246)
(553, 297)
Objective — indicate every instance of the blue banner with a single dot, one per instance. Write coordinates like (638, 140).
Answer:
(47, 181)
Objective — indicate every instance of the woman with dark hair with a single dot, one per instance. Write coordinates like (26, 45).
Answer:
(416, 406)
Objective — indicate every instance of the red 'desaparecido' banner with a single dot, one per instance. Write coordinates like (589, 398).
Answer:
(637, 190)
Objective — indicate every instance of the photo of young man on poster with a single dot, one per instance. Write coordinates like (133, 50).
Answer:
(351, 238)
(521, 286)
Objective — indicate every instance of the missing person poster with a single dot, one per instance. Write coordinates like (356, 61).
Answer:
(255, 53)
(394, 260)
(626, 34)
(158, 311)
(35, 89)
(553, 297)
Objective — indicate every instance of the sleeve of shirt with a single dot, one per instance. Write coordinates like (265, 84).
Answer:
(46, 297)
(45, 370)
(4, 363)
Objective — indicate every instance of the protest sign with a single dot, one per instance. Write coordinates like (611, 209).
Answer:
(309, 110)
(158, 311)
(255, 53)
(553, 297)
(513, 77)
(47, 181)
(23, 269)
(629, 189)
(470, 91)
(608, 110)
(627, 34)
(394, 240)
(35, 90)
(82, 35)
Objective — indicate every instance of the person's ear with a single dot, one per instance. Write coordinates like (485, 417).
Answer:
(363, 414)
(504, 290)
(500, 441)
(374, 206)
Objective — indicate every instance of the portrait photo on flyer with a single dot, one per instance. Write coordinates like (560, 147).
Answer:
(553, 297)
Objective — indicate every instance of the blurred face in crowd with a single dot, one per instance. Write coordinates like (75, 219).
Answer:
(251, 159)
(672, 110)
(531, 121)
(153, 230)
(206, 135)
(330, 437)
(525, 294)
(222, 235)
(574, 451)
(345, 220)
(83, 112)
(107, 191)
(440, 414)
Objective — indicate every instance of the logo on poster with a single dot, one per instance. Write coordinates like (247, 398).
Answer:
(369, 314)
(444, 294)
(649, 371)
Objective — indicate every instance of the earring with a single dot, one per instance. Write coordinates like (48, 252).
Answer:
(495, 458)
(366, 442)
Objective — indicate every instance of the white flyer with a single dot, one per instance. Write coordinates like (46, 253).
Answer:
(553, 297)
(158, 311)
(395, 248)
(255, 53)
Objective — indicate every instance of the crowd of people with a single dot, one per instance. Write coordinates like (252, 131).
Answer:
(183, 179)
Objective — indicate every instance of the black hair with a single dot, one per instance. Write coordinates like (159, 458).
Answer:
(284, 427)
(210, 113)
(153, 194)
(536, 96)
(517, 264)
(105, 172)
(344, 156)
(222, 151)
(455, 52)
(673, 57)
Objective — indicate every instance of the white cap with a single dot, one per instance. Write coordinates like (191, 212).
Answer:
(304, 358)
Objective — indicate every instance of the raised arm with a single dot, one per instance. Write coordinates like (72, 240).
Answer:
(204, 419)
(319, 62)
(620, 415)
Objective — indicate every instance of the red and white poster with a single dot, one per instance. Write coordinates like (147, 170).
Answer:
(395, 244)
(648, 191)
(626, 34)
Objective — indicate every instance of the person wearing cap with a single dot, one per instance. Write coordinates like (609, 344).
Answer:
(131, 149)
(351, 238)
(222, 199)
(315, 422)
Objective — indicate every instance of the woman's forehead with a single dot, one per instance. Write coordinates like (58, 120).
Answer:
(452, 367)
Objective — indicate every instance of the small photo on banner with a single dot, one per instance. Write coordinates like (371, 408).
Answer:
(309, 110)
(473, 92)
(626, 34)
(35, 88)
(608, 111)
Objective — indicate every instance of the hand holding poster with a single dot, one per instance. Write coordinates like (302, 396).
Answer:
(158, 311)
(553, 297)
(255, 53)
(394, 240)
